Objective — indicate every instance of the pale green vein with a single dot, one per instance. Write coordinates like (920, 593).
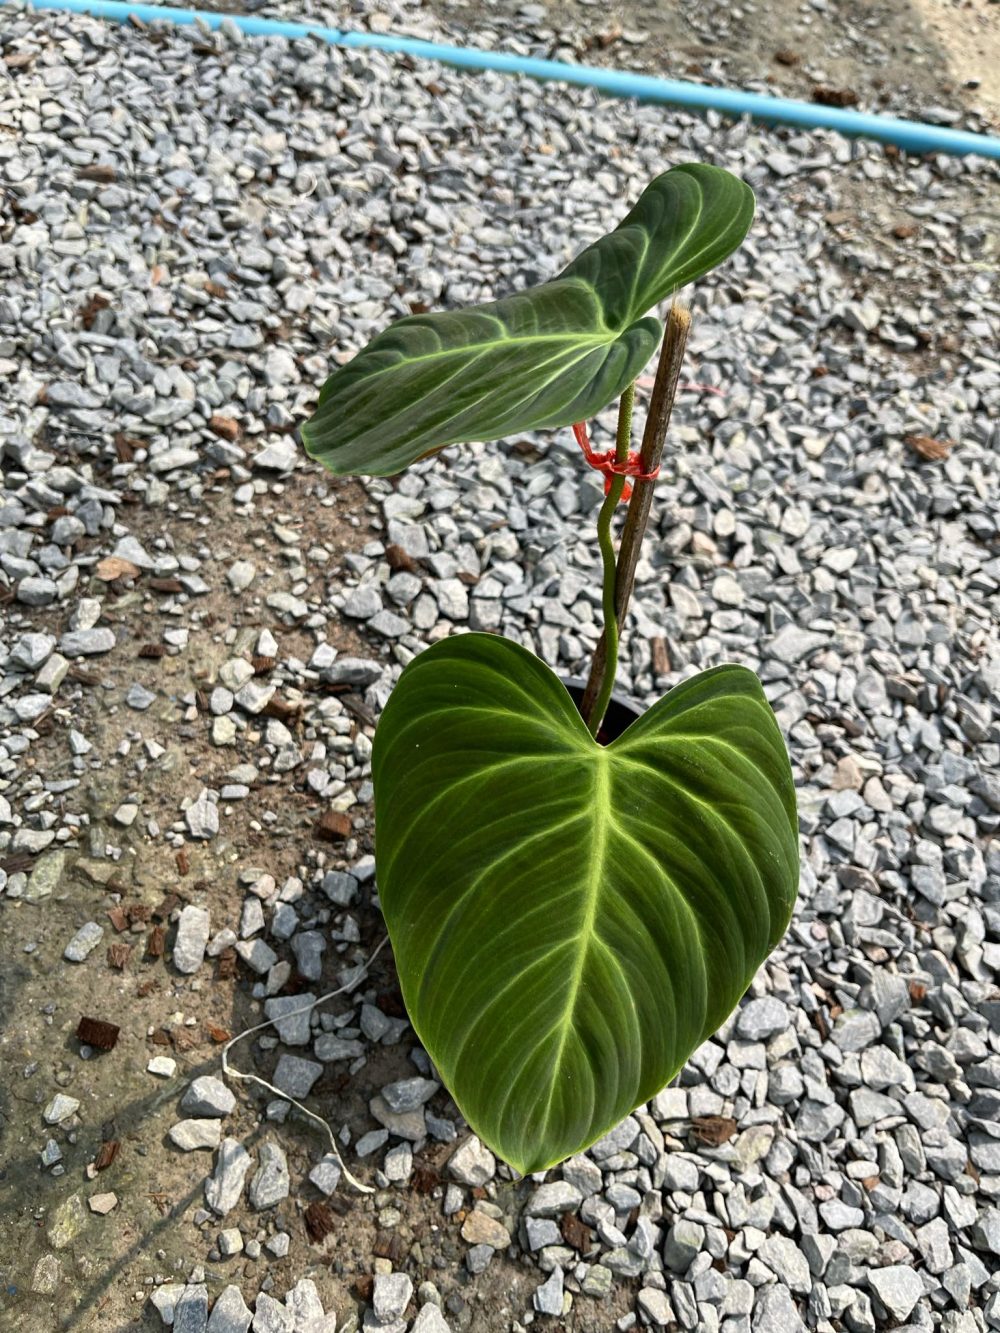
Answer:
(714, 814)
(622, 910)
(518, 847)
(489, 771)
(661, 872)
(438, 425)
(414, 388)
(473, 350)
(496, 1002)
(591, 894)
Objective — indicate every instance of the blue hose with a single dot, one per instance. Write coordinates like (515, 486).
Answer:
(907, 134)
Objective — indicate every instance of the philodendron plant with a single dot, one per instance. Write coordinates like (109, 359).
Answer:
(570, 919)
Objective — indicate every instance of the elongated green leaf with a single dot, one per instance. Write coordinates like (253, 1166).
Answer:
(570, 921)
(548, 356)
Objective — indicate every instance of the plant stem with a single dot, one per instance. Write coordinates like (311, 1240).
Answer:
(606, 541)
(661, 404)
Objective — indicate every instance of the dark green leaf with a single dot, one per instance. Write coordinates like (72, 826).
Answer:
(548, 356)
(570, 921)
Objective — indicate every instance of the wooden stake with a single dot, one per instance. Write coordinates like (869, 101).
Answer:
(658, 419)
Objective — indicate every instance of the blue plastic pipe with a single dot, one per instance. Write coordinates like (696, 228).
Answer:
(907, 134)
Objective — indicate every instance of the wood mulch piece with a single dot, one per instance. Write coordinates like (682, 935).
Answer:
(125, 448)
(225, 427)
(118, 954)
(826, 96)
(106, 1154)
(333, 826)
(99, 172)
(319, 1223)
(17, 861)
(713, 1130)
(425, 1178)
(227, 965)
(927, 448)
(96, 1032)
(281, 709)
(575, 1233)
(91, 309)
(118, 918)
(398, 559)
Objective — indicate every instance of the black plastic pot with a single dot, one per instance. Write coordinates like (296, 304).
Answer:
(621, 711)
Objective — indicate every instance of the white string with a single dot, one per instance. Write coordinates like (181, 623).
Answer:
(291, 1013)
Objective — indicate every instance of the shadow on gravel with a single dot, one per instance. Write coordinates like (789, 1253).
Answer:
(104, 1262)
(91, 1280)
(24, 1190)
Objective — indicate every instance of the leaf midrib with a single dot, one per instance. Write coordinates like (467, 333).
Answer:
(471, 350)
(585, 937)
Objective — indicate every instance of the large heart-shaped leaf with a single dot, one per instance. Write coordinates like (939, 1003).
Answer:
(569, 920)
(548, 356)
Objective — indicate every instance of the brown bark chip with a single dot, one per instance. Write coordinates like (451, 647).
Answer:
(96, 1032)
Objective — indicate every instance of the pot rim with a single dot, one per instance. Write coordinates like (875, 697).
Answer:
(622, 700)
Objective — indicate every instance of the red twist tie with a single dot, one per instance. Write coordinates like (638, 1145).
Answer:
(607, 462)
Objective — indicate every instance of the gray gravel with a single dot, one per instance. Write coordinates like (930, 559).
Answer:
(270, 1184)
(224, 1187)
(829, 1159)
